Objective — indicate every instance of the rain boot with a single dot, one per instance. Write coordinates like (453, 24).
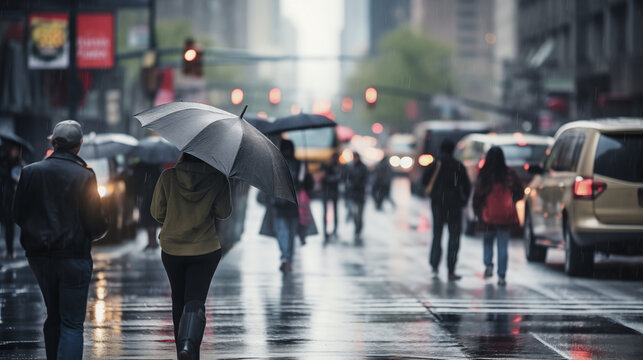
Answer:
(191, 330)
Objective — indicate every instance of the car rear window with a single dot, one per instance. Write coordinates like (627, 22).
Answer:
(528, 153)
(620, 156)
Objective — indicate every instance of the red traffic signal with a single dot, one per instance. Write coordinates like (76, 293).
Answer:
(370, 95)
(192, 59)
(274, 96)
(347, 104)
(377, 128)
(236, 96)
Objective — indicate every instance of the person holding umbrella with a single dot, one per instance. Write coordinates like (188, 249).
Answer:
(190, 245)
(216, 145)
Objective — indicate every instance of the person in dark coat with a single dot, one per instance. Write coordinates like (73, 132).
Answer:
(356, 182)
(146, 177)
(10, 167)
(382, 184)
(285, 215)
(494, 178)
(330, 187)
(450, 193)
(59, 211)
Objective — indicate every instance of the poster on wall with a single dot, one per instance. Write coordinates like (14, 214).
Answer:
(95, 45)
(48, 44)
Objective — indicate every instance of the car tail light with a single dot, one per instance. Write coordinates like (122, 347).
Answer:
(588, 189)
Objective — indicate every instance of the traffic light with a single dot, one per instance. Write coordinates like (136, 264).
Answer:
(347, 104)
(192, 59)
(274, 96)
(370, 95)
(236, 96)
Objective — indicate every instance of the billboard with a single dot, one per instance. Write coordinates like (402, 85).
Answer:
(95, 44)
(48, 43)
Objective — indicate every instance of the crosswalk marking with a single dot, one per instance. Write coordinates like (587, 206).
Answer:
(534, 306)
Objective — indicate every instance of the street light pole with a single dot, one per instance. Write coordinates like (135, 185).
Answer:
(72, 74)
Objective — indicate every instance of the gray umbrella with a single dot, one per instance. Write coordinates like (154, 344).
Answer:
(106, 145)
(225, 141)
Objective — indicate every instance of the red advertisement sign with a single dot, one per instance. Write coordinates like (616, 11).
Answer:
(95, 45)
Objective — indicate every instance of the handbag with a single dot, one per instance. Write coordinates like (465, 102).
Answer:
(305, 215)
(429, 187)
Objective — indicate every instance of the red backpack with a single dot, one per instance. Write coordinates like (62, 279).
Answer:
(499, 207)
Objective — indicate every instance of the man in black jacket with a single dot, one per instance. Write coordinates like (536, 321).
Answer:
(356, 181)
(59, 211)
(449, 195)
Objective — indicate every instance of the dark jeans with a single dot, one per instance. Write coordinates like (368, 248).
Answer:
(358, 215)
(453, 218)
(333, 201)
(190, 278)
(64, 284)
(8, 234)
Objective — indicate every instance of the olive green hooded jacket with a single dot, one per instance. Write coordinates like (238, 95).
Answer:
(186, 200)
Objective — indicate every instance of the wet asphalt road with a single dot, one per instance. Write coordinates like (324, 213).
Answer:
(345, 301)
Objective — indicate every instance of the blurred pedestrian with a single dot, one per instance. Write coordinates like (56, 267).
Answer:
(58, 208)
(382, 184)
(282, 216)
(186, 200)
(494, 202)
(330, 189)
(356, 182)
(448, 185)
(10, 167)
(146, 176)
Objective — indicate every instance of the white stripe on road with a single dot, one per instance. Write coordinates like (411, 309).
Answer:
(551, 347)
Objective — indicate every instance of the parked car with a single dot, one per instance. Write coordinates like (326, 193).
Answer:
(112, 190)
(520, 151)
(588, 194)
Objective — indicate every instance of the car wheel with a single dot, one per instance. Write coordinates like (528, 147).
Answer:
(533, 251)
(579, 260)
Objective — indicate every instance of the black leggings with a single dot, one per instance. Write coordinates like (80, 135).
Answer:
(190, 278)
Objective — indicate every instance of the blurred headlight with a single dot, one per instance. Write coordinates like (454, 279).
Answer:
(105, 190)
(394, 161)
(406, 162)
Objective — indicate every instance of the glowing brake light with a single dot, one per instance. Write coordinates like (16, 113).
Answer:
(587, 189)
(481, 163)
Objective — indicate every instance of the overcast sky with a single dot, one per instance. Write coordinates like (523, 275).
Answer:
(319, 24)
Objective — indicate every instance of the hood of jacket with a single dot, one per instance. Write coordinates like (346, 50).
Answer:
(195, 179)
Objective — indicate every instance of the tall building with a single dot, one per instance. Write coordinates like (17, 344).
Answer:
(583, 58)
(385, 16)
(355, 34)
(467, 27)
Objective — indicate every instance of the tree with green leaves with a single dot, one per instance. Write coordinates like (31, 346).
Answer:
(406, 60)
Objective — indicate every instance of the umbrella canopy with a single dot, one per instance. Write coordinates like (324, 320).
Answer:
(225, 141)
(156, 150)
(300, 121)
(106, 145)
(11, 137)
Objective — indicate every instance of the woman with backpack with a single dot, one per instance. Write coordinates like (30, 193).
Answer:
(494, 202)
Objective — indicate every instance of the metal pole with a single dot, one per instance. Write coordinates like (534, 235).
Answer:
(72, 82)
(152, 24)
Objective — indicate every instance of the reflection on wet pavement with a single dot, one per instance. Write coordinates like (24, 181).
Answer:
(343, 301)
